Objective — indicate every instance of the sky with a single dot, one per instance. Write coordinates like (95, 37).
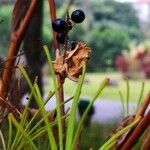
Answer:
(140, 1)
(141, 6)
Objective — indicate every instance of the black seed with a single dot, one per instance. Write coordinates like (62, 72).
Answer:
(59, 25)
(61, 38)
(78, 16)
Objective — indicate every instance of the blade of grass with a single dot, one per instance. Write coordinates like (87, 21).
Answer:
(80, 124)
(44, 114)
(39, 101)
(60, 132)
(38, 124)
(127, 94)
(40, 131)
(9, 134)
(123, 104)
(38, 111)
(2, 140)
(23, 120)
(20, 128)
(72, 117)
(109, 147)
(140, 96)
(118, 134)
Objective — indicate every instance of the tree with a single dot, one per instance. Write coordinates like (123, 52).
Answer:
(33, 46)
(106, 45)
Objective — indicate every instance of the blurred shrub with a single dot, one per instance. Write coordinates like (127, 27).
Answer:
(106, 45)
(109, 27)
(5, 12)
(135, 63)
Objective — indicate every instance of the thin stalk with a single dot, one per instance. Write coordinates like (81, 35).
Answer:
(60, 79)
(40, 102)
(16, 39)
(80, 124)
(138, 131)
(127, 94)
(20, 128)
(122, 102)
(109, 147)
(2, 140)
(58, 94)
(9, 134)
(72, 117)
(118, 134)
(141, 95)
(144, 105)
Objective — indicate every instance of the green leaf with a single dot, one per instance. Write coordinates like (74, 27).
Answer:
(72, 117)
(80, 124)
(118, 134)
(39, 101)
(60, 133)
(20, 128)
(2, 140)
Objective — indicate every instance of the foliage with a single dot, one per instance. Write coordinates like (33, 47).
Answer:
(26, 133)
(5, 11)
(135, 63)
(109, 45)
(108, 22)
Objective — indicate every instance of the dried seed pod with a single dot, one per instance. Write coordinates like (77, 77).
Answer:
(72, 63)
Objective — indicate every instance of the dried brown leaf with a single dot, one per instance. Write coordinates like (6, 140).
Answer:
(71, 64)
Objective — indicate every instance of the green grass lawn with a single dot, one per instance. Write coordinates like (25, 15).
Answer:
(110, 92)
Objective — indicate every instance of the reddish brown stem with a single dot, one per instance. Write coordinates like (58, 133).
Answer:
(144, 106)
(146, 142)
(60, 79)
(16, 38)
(10, 107)
(138, 131)
(53, 17)
(141, 113)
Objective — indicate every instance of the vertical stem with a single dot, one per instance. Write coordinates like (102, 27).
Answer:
(138, 131)
(60, 79)
(16, 38)
(53, 17)
(8, 71)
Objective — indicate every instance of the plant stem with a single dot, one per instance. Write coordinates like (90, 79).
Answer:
(146, 142)
(138, 131)
(144, 105)
(141, 113)
(60, 79)
(16, 38)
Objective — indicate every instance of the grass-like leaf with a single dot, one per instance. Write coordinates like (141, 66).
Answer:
(72, 117)
(60, 133)
(2, 140)
(80, 124)
(39, 101)
(141, 95)
(127, 96)
(20, 128)
(9, 134)
(123, 103)
(118, 134)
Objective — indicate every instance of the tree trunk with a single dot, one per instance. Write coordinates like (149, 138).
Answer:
(33, 47)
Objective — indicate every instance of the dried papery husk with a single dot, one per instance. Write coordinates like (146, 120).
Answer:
(70, 65)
